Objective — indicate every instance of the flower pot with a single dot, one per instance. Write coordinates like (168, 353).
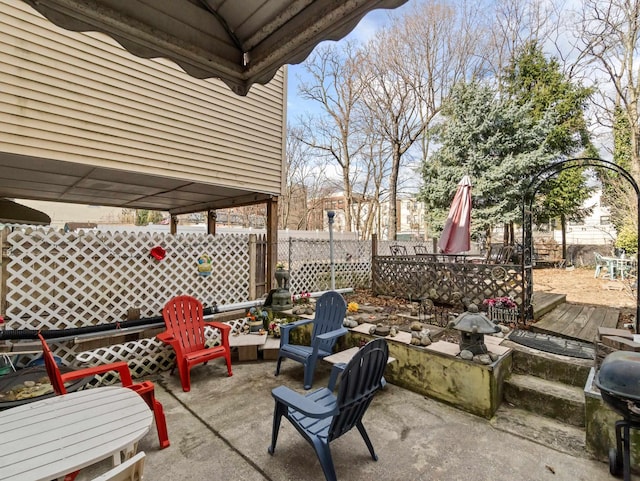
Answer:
(502, 316)
(256, 325)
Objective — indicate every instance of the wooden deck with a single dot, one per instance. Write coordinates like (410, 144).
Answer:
(574, 321)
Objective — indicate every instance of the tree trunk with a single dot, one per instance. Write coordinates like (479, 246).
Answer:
(563, 226)
(393, 192)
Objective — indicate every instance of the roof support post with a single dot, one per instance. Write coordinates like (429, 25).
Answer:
(212, 216)
(173, 225)
(272, 240)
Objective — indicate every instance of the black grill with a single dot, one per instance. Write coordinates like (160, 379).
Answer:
(619, 383)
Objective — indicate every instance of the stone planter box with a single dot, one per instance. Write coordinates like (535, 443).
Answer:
(443, 376)
(600, 426)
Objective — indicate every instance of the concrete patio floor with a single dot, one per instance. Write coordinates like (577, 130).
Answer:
(222, 428)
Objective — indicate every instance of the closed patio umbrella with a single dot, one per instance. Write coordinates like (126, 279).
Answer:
(456, 235)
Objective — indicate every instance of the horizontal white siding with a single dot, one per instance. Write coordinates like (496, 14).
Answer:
(80, 97)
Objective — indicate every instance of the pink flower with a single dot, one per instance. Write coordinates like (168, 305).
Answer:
(504, 302)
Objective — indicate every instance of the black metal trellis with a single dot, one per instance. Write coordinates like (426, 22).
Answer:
(527, 207)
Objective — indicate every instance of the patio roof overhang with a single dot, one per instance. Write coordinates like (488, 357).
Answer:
(240, 42)
(52, 180)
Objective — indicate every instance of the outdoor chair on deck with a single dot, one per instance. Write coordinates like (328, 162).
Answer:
(184, 320)
(145, 388)
(320, 416)
(600, 263)
(420, 250)
(499, 254)
(331, 309)
(397, 250)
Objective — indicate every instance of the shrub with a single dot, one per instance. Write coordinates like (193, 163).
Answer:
(628, 239)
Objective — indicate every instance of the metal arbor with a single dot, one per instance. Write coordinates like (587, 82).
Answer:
(527, 207)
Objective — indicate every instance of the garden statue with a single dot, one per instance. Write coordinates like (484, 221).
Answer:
(279, 299)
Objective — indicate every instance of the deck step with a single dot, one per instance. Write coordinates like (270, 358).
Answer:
(552, 367)
(576, 321)
(544, 302)
(547, 398)
(542, 430)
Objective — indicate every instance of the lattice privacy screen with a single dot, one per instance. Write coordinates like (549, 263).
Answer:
(415, 277)
(309, 263)
(58, 280)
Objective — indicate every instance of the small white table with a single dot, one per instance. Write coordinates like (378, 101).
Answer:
(51, 438)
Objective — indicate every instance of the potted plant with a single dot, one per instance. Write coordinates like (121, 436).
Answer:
(502, 310)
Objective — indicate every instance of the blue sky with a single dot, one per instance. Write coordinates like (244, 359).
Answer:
(364, 31)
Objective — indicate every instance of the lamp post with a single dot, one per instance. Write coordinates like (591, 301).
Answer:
(331, 214)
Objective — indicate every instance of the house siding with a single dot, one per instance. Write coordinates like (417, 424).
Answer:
(80, 97)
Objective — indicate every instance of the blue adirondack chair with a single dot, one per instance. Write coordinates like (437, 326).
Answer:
(327, 328)
(320, 416)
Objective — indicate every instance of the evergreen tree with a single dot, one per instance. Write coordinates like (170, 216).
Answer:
(496, 141)
(533, 79)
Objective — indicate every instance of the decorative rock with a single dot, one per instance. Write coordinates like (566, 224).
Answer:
(504, 329)
(494, 357)
(425, 333)
(350, 322)
(416, 326)
(382, 330)
(394, 331)
(415, 341)
(466, 355)
(372, 330)
(482, 359)
(425, 341)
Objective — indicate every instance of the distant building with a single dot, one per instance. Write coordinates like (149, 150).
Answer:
(595, 229)
(411, 224)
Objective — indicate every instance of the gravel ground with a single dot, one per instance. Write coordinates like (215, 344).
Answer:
(582, 288)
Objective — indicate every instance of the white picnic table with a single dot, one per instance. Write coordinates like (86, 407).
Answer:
(46, 439)
(618, 266)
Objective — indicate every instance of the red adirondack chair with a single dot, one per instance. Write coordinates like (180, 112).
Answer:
(144, 388)
(185, 324)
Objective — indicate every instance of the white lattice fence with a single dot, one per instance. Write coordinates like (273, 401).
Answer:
(144, 356)
(310, 266)
(58, 280)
